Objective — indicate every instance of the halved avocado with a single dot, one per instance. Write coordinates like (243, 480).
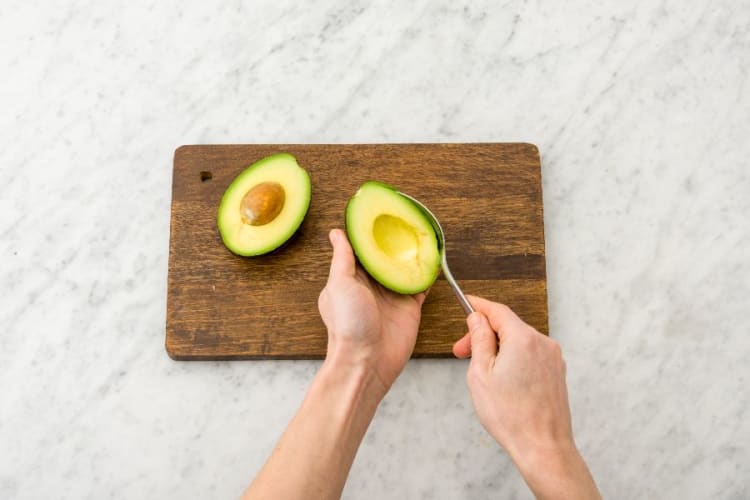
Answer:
(392, 238)
(264, 205)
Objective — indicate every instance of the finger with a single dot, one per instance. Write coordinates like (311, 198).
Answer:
(499, 315)
(342, 263)
(462, 347)
(483, 340)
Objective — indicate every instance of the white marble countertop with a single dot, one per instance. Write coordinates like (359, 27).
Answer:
(642, 116)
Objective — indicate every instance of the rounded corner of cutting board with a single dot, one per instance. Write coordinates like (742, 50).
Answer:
(173, 349)
(180, 151)
(533, 149)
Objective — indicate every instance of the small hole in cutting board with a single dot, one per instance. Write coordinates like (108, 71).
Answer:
(206, 176)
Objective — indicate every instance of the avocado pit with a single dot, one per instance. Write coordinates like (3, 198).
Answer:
(262, 204)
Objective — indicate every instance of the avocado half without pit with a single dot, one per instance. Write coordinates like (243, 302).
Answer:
(392, 238)
(264, 205)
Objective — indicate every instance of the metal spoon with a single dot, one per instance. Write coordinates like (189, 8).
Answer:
(444, 260)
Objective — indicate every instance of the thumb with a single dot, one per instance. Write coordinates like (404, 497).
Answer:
(342, 263)
(483, 339)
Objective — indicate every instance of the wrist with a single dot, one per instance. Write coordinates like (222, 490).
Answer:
(556, 471)
(357, 361)
(538, 457)
(352, 377)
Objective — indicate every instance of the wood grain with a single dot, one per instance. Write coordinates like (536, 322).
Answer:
(220, 306)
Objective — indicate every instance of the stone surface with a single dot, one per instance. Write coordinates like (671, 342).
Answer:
(641, 115)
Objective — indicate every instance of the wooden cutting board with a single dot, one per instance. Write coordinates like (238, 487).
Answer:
(488, 198)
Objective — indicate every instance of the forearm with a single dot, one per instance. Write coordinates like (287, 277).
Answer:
(557, 474)
(315, 453)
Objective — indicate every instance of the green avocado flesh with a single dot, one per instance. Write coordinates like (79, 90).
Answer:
(392, 238)
(264, 205)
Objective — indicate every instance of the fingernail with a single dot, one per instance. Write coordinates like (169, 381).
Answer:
(332, 236)
(474, 321)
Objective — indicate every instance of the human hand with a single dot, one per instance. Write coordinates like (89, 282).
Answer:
(371, 334)
(517, 382)
(368, 326)
(518, 390)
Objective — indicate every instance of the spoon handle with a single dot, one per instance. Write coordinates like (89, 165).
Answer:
(456, 289)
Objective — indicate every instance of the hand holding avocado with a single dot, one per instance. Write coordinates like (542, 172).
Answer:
(367, 324)
(371, 334)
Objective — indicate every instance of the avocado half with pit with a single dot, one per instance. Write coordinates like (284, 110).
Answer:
(264, 205)
(392, 238)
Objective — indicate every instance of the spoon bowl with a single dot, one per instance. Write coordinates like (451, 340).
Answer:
(468, 309)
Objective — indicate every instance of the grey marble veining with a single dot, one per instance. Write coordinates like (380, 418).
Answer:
(642, 115)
